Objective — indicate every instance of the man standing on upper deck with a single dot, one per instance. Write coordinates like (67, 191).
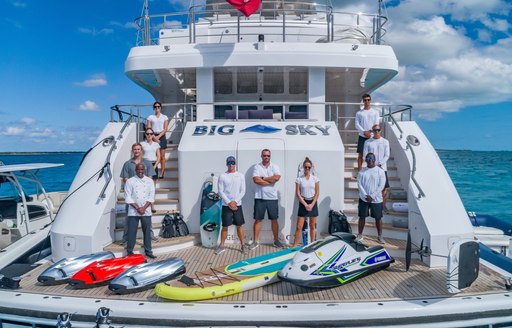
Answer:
(365, 119)
(380, 147)
(265, 175)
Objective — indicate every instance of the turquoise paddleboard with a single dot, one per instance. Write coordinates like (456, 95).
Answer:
(262, 264)
(211, 210)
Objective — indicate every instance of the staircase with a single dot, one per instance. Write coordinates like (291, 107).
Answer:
(394, 223)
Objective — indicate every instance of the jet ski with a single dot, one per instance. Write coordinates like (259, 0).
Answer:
(147, 275)
(334, 261)
(101, 272)
(61, 271)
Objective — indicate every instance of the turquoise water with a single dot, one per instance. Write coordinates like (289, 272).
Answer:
(483, 179)
(53, 179)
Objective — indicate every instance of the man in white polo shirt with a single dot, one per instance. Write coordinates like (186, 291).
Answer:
(265, 175)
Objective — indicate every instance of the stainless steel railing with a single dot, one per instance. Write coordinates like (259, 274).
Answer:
(275, 18)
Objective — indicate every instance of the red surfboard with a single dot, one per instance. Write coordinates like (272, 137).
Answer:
(101, 272)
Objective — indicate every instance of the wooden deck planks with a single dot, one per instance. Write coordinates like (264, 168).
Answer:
(389, 284)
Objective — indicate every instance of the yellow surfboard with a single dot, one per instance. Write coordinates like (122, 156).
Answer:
(233, 279)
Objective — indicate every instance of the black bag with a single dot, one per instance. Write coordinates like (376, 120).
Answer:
(181, 225)
(338, 222)
(169, 228)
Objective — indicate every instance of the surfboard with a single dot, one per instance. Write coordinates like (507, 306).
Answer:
(210, 222)
(229, 280)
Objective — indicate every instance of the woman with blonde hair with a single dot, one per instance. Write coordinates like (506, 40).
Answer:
(307, 189)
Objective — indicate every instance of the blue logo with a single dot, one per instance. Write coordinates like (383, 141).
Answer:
(261, 129)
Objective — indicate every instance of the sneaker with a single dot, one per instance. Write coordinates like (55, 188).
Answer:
(359, 238)
(219, 250)
(381, 240)
(278, 244)
(254, 245)
(244, 249)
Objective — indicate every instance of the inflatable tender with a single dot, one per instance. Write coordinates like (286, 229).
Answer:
(147, 275)
(334, 261)
(63, 270)
(101, 272)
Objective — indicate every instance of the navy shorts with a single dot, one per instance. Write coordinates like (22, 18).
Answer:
(230, 217)
(302, 209)
(163, 141)
(266, 205)
(369, 209)
(360, 144)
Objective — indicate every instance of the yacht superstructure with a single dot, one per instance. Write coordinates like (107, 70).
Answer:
(288, 78)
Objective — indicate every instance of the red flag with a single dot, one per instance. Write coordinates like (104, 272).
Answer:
(247, 7)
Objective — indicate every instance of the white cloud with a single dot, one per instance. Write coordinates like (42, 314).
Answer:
(47, 132)
(97, 80)
(13, 131)
(27, 120)
(127, 25)
(95, 32)
(452, 54)
(19, 4)
(89, 106)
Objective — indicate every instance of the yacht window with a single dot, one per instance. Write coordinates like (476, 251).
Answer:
(223, 79)
(273, 80)
(247, 80)
(298, 81)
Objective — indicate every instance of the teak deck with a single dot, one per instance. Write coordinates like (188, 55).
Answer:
(393, 283)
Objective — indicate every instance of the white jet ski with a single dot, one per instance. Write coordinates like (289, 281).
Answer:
(63, 270)
(334, 261)
(147, 275)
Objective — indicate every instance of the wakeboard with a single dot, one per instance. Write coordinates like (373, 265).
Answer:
(210, 214)
(229, 280)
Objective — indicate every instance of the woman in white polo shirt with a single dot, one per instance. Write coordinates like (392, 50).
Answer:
(307, 189)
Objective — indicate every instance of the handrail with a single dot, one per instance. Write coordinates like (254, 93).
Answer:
(284, 14)
(413, 170)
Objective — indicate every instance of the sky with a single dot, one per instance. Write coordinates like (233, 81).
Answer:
(62, 67)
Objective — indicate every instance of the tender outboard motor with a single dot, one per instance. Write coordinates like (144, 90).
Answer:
(64, 320)
(103, 318)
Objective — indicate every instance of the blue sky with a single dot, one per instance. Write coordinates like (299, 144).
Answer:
(62, 67)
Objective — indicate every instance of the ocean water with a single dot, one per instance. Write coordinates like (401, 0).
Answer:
(482, 178)
(53, 179)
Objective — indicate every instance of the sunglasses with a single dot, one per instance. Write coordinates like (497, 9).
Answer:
(149, 133)
(307, 167)
(370, 158)
(230, 163)
(157, 106)
(265, 155)
(376, 130)
(366, 99)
